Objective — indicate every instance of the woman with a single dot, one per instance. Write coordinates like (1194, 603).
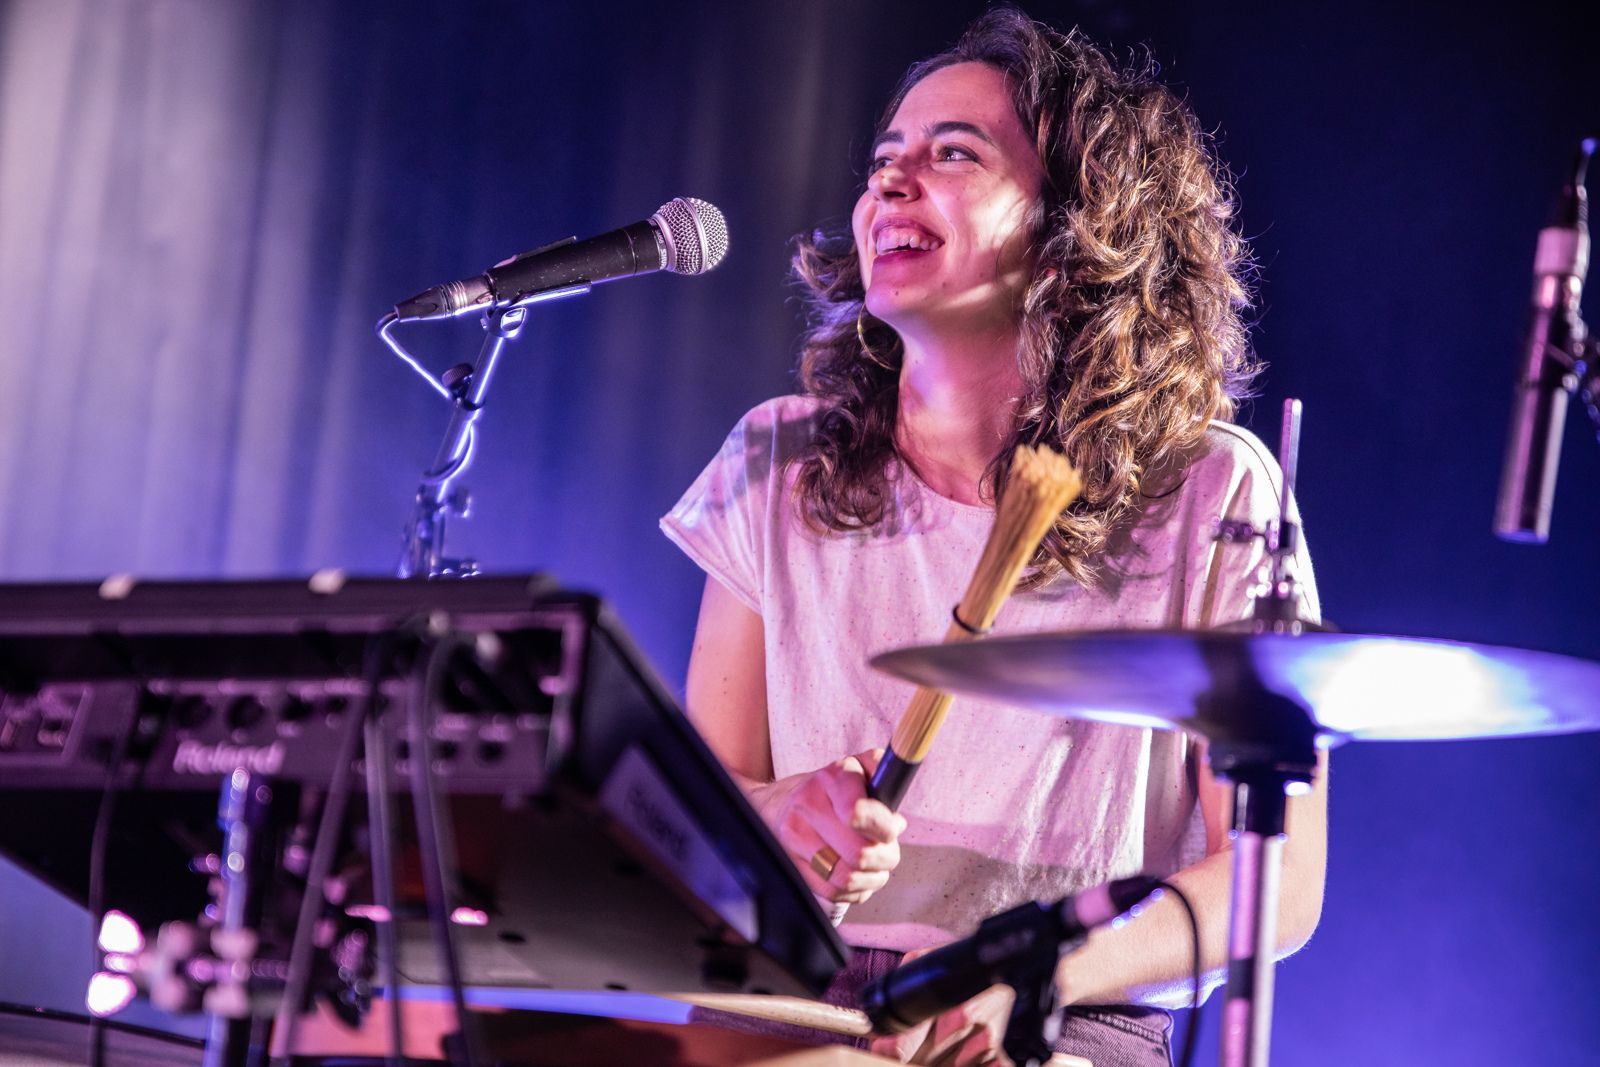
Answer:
(1042, 254)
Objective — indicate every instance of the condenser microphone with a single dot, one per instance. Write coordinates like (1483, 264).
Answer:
(1547, 371)
(686, 236)
(954, 974)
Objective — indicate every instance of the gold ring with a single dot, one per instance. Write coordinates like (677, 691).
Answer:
(823, 861)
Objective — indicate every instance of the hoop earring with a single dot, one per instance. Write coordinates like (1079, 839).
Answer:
(861, 335)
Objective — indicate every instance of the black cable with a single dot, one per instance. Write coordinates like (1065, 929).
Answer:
(433, 834)
(1193, 1029)
(99, 846)
(380, 821)
(329, 829)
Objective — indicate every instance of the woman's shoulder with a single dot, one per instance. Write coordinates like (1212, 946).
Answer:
(1226, 459)
(1234, 448)
(1226, 472)
(777, 429)
(783, 411)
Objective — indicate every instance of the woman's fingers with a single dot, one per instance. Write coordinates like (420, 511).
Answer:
(900, 1047)
(875, 822)
(968, 1034)
(979, 1048)
(836, 866)
(844, 843)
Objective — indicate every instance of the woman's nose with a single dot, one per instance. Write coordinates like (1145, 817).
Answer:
(894, 180)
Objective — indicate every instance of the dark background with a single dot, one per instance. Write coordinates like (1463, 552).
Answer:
(204, 207)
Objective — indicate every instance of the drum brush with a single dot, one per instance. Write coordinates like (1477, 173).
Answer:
(1040, 486)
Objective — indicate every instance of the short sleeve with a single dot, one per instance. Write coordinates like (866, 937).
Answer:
(724, 521)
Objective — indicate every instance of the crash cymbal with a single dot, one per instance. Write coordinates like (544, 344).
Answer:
(1369, 687)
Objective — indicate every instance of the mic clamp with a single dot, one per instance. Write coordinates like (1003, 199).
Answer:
(1019, 948)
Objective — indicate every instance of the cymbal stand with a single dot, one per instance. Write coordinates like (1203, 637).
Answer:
(1270, 753)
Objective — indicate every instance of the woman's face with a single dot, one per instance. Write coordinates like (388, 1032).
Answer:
(942, 228)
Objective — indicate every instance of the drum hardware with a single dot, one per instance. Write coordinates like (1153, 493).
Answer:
(1276, 600)
(1265, 703)
(1267, 697)
(234, 962)
(1276, 755)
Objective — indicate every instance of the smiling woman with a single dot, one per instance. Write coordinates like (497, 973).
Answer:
(1042, 255)
(943, 230)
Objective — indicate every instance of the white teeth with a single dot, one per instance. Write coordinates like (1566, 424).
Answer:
(900, 238)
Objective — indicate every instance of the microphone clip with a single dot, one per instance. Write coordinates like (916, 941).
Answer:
(1586, 370)
(1020, 948)
(1035, 1023)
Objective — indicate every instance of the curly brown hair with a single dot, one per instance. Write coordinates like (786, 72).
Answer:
(1132, 337)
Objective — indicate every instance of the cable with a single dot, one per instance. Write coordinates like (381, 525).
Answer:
(387, 323)
(1193, 1028)
(329, 829)
(456, 465)
(380, 820)
(433, 833)
(99, 846)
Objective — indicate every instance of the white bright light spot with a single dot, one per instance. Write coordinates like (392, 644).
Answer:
(119, 933)
(1407, 689)
(469, 917)
(108, 993)
(121, 962)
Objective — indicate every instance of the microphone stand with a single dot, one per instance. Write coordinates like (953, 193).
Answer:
(438, 497)
(422, 556)
(1586, 368)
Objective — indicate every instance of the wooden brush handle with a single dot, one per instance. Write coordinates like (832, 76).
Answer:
(1047, 484)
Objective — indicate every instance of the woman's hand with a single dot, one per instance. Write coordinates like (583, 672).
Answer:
(830, 807)
(969, 1033)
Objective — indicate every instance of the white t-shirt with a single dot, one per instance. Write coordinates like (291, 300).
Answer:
(1010, 805)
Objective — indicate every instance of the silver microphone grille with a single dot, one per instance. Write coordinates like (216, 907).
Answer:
(695, 235)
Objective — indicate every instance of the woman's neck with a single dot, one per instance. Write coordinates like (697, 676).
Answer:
(956, 409)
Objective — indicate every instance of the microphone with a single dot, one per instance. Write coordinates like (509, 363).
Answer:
(1025, 935)
(685, 236)
(1547, 368)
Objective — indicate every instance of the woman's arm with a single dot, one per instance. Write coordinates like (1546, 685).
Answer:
(727, 702)
(1149, 960)
(727, 686)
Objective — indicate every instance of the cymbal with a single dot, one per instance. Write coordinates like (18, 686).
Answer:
(1355, 686)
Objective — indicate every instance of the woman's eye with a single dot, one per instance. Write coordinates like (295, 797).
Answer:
(957, 153)
(877, 164)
